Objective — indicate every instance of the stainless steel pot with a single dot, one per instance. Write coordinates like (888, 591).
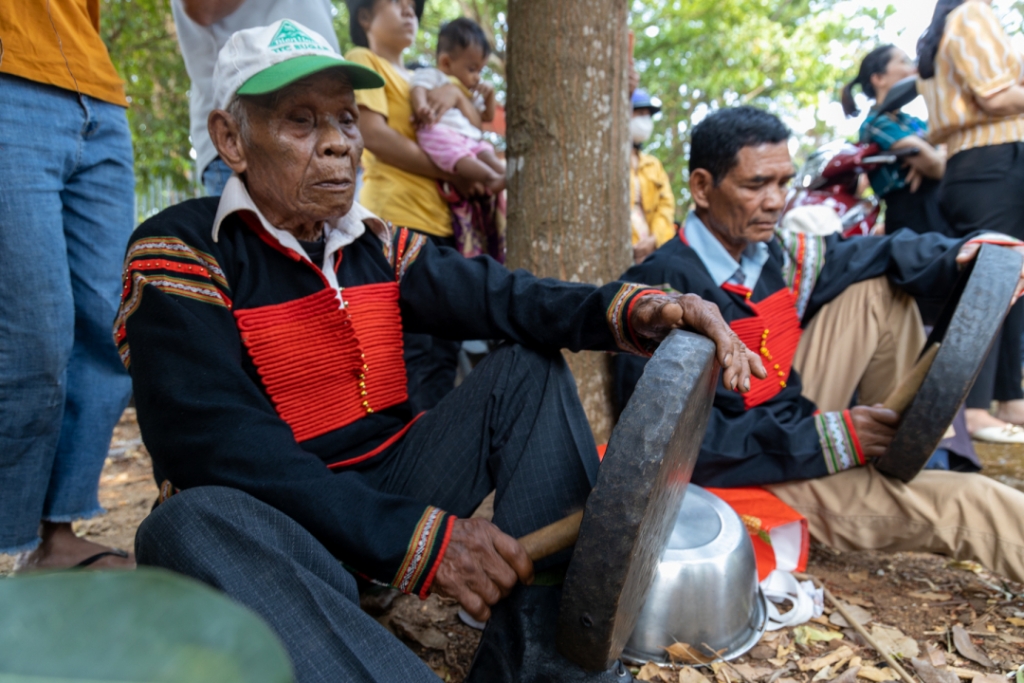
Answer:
(706, 590)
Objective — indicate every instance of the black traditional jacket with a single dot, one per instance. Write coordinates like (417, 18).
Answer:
(774, 434)
(255, 369)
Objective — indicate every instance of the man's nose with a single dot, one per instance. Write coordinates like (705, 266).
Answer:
(333, 141)
(775, 198)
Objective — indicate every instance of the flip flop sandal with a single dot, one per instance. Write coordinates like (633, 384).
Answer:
(1011, 433)
(114, 552)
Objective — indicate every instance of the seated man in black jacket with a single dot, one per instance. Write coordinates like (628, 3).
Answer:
(263, 332)
(829, 317)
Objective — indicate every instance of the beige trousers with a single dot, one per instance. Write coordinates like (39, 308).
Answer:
(867, 339)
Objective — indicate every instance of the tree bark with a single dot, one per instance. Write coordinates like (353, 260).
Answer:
(568, 156)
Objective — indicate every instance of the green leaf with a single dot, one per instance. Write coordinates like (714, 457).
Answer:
(144, 626)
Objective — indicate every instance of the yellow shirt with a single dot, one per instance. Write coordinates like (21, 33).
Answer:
(649, 183)
(403, 198)
(975, 59)
(32, 47)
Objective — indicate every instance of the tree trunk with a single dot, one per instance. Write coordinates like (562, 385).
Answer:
(568, 156)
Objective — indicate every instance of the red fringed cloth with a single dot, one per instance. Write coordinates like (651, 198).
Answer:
(774, 331)
(779, 533)
(324, 364)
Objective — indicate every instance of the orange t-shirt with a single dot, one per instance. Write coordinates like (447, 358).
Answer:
(32, 47)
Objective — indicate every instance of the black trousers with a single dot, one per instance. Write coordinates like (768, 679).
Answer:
(515, 425)
(431, 363)
(918, 211)
(982, 190)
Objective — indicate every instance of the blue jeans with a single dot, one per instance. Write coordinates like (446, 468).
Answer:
(215, 177)
(66, 213)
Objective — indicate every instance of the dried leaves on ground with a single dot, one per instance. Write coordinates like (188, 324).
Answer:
(950, 621)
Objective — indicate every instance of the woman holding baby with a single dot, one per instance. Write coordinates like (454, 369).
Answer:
(400, 179)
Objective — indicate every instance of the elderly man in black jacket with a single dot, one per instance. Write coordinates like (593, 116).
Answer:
(829, 317)
(263, 332)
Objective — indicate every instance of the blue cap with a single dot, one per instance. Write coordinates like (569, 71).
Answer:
(642, 100)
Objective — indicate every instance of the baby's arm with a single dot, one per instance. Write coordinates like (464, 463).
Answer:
(486, 91)
(468, 109)
(421, 110)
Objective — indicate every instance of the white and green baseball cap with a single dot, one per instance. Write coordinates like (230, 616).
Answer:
(260, 60)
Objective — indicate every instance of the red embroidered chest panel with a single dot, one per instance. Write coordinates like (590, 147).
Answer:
(774, 331)
(324, 366)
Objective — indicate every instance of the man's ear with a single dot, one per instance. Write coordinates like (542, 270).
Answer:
(227, 138)
(701, 183)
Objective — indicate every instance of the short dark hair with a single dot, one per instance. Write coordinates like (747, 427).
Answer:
(355, 31)
(458, 34)
(717, 140)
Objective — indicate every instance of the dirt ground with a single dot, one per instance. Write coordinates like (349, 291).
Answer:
(950, 615)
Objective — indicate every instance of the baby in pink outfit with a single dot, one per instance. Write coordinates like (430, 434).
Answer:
(451, 140)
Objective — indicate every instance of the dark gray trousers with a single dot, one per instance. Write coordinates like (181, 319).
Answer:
(515, 425)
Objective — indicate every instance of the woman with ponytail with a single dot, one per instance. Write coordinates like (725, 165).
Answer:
(910, 188)
(972, 85)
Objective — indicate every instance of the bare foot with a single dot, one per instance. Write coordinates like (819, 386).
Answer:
(978, 418)
(62, 549)
(1011, 411)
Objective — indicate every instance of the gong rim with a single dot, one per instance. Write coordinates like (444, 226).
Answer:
(966, 329)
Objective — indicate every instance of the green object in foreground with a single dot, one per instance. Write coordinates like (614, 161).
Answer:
(145, 626)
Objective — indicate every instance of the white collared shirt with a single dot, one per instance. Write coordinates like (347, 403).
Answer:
(337, 235)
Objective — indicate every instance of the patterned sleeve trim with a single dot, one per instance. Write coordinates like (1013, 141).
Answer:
(839, 443)
(174, 268)
(618, 315)
(803, 257)
(404, 249)
(426, 550)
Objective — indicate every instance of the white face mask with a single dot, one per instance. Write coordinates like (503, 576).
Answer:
(640, 129)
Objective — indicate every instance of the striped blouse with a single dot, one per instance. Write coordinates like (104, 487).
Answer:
(975, 58)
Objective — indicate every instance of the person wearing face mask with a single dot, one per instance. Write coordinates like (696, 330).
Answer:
(910, 188)
(652, 206)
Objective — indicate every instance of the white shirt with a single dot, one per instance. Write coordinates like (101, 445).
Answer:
(200, 45)
(337, 235)
(430, 78)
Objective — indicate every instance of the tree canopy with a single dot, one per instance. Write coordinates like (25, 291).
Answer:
(786, 56)
(699, 55)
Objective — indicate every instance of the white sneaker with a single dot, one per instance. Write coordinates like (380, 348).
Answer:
(1009, 433)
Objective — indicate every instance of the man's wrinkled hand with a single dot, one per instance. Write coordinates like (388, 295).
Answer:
(969, 252)
(655, 315)
(875, 427)
(481, 566)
